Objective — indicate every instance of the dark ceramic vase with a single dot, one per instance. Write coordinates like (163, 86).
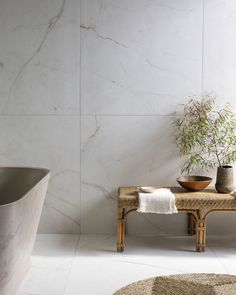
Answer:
(225, 179)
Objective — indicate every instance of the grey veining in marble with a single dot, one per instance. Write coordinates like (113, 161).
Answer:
(39, 100)
(139, 57)
(88, 88)
(22, 194)
(39, 57)
(51, 24)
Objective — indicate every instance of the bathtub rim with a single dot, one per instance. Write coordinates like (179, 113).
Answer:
(47, 170)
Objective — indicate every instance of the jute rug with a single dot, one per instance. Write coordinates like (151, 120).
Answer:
(184, 284)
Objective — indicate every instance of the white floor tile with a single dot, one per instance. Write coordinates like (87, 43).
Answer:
(96, 268)
(224, 249)
(98, 262)
(51, 262)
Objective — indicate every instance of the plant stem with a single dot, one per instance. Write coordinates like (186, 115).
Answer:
(217, 156)
(216, 152)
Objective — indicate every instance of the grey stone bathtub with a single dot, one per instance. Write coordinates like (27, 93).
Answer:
(22, 194)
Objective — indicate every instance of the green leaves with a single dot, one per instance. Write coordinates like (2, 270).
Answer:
(205, 136)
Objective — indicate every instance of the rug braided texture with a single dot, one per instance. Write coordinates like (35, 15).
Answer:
(183, 284)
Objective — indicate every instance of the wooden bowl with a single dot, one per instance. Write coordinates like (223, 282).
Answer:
(194, 183)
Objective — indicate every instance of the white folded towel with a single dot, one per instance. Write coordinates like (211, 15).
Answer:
(161, 201)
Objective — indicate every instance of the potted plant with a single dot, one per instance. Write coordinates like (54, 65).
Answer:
(206, 136)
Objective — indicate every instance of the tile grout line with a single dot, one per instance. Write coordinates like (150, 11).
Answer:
(86, 115)
(127, 115)
(80, 118)
(217, 258)
(72, 263)
(39, 115)
(203, 43)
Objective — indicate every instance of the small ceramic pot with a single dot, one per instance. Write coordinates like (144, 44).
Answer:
(225, 179)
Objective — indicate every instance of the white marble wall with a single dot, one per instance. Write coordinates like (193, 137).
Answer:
(39, 100)
(88, 88)
(140, 60)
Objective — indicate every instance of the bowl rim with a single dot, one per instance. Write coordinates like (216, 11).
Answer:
(201, 178)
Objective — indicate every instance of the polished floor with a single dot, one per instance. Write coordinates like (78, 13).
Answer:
(89, 264)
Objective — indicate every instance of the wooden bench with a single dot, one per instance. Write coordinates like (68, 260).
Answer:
(197, 205)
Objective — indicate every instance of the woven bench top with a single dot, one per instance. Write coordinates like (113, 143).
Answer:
(205, 199)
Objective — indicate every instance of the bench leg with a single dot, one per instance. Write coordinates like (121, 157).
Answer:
(120, 229)
(200, 233)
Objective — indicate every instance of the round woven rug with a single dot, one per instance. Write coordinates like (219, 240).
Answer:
(184, 284)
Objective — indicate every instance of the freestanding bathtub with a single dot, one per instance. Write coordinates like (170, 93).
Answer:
(22, 194)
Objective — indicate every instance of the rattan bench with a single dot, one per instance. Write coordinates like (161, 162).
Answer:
(197, 205)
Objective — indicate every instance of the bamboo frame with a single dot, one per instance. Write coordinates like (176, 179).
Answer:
(120, 229)
(196, 224)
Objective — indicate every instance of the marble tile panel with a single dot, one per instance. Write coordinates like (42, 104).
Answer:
(97, 267)
(132, 150)
(51, 142)
(143, 258)
(39, 57)
(119, 151)
(224, 248)
(140, 57)
(149, 250)
(52, 259)
(219, 70)
(219, 50)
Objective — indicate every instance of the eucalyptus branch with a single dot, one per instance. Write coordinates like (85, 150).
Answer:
(206, 137)
(224, 152)
(197, 109)
(217, 157)
(216, 150)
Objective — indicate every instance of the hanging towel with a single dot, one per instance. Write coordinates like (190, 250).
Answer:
(160, 201)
